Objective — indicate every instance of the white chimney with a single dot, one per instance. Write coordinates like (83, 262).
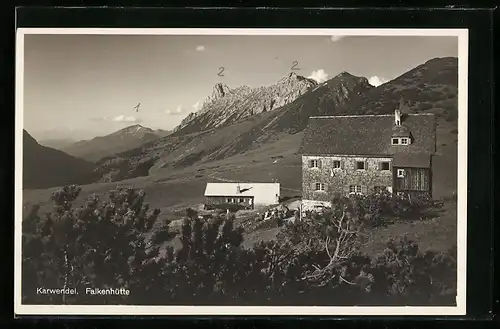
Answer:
(238, 191)
(397, 117)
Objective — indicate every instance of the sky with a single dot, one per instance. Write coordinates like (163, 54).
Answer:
(82, 86)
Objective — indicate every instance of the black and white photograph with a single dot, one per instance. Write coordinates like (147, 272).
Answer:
(241, 171)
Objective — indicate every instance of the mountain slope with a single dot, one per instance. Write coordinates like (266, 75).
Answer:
(57, 143)
(181, 150)
(117, 142)
(430, 87)
(45, 167)
(328, 98)
(227, 106)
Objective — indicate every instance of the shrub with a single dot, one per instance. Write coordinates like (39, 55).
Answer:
(102, 244)
(316, 261)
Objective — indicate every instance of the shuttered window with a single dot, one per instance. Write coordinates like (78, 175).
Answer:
(364, 189)
(336, 164)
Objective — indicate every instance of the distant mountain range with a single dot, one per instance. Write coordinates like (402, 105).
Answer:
(57, 143)
(117, 142)
(431, 86)
(47, 167)
(236, 121)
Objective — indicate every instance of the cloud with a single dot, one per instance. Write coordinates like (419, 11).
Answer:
(376, 81)
(319, 75)
(200, 48)
(119, 118)
(123, 118)
(336, 38)
(178, 110)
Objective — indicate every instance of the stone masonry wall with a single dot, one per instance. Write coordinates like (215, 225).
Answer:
(339, 179)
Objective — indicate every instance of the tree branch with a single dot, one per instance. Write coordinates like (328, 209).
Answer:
(344, 280)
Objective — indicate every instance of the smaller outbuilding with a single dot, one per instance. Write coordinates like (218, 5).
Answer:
(243, 195)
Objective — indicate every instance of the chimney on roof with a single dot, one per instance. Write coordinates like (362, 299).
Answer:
(238, 189)
(398, 112)
(397, 117)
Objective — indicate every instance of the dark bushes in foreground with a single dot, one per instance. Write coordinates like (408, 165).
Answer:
(109, 244)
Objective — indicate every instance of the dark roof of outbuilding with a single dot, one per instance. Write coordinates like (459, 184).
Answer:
(367, 135)
(410, 160)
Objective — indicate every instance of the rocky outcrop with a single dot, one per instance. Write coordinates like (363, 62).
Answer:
(226, 106)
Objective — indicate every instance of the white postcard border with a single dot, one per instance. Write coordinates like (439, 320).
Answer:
(460, 309)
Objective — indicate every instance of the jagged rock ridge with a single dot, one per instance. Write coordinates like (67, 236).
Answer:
(226, 106)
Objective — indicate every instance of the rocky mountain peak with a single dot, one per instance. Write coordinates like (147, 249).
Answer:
(227, 106)
(220, 90)
(292, 78)
(133, 129)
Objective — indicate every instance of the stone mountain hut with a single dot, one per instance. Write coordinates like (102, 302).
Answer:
(360, 154)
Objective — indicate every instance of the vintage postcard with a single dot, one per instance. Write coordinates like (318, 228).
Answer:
(241, 171)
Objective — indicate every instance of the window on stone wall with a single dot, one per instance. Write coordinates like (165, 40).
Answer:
(360, 165)
(242, 200)
(314, 163)
(336, 164)
(384, 165)
(355, 189)
(320, 186)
